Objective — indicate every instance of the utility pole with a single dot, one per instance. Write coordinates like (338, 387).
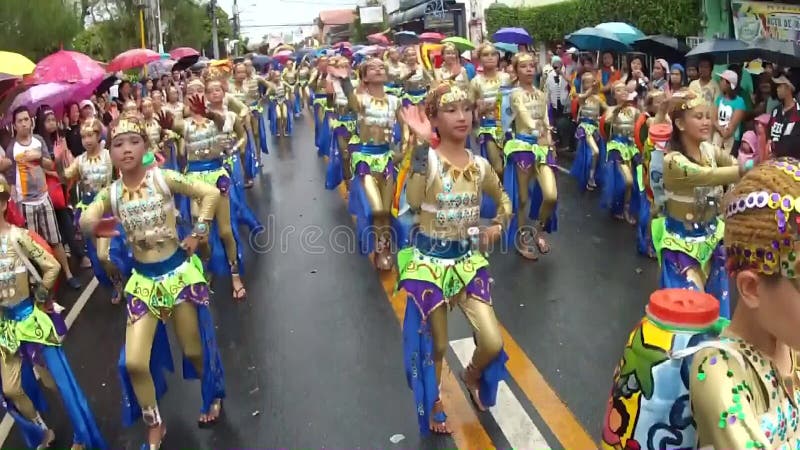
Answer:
(159, 28)
(236, 27)
(214, 36)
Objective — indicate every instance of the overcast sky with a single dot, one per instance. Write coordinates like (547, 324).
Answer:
(279, 12)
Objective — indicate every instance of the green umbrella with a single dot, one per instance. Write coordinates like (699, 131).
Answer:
(460, 43)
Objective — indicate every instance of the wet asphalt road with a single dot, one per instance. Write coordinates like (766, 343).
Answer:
(313, 358)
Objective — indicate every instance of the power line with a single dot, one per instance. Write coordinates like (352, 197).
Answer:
(277, 25)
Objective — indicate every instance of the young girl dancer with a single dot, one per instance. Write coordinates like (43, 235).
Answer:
(446, 264)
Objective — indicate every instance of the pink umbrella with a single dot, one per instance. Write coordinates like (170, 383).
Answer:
(131, 59)
(65, 67)
(378, 38)
(56, 95)
(182, 52)
(431, 37)
(283, 56)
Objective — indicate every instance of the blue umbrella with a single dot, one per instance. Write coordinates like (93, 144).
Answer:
(512, 36)
(626, 33)
(595, 39)
(509, 48)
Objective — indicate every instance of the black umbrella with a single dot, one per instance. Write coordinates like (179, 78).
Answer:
(106, 84)
(723, 51)
(406, 38)
(660, 46)
(186, 62)
(783, 53)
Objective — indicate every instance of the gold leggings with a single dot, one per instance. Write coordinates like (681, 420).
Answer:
(139, 340)
(223, 217)
(103, 248)
(252, 123)
(11, 374)
(495, 154)
(595, 154)
(347, 171)
(627, 176)
(483, 322)
(281, 114)
(380, 194)
(543, 174)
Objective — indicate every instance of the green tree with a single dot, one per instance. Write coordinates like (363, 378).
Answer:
(38, 28)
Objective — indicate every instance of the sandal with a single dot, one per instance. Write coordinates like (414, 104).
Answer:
(47, 441)
(471, 378)
(525, 247)
(213, 419)
(438, 423)
(591, 185)
(541, 243)
(240, 293)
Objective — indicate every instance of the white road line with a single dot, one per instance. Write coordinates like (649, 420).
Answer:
(8, 421)
(511, 417)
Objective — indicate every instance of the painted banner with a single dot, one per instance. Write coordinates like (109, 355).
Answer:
(752, 20)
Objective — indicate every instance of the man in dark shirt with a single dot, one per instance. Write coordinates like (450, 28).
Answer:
(785, 118)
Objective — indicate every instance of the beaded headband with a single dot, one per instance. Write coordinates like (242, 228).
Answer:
(125, 126)
(453, 95)
(523, 57)
(783, 255)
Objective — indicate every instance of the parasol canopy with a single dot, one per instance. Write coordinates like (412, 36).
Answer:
(406, 38)
(661, 46)
(782, 53)
(182, 52)
(431, 37)
(508, 48)
(623, 31)
(596, 39)
(378, 38)
(511, 35)
(462, 44)
(15, 64)
(722, 51)
(131, 59)
(66, 67)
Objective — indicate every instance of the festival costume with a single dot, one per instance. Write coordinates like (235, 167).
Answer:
(590, 155)
(394, 78)
(491, 134)
(690, 234)
(373, 187)
(165, 282)
(441, 272)
(416, 84)
(322, 134)
(303, 78)
(289, 79)
(31, 332)
(207, 149)
(255, 123)
(281, 123)
(621, 185)
(343, 125)
(109, 256)
(530, 157)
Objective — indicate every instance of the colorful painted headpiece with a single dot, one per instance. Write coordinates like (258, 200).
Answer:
(127, 125)
(782, 256)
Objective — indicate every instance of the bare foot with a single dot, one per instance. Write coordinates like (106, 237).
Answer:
(525, 246)
(438, 423)
(155, 435)
(47, 441)
(210, 419)
(541, 243)
(473, 387)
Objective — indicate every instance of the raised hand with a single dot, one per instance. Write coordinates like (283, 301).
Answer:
(197, 104)
(107, 227)
(166, 120)
(417, 121)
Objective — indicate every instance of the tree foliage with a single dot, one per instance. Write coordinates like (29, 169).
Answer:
(37, 28)
(115, 27)
(552, 22)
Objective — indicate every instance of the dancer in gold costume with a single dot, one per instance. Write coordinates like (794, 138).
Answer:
(343, 127)
(167, 279)
(318, 84)
(486, 90)
(446, 266)
(591, 150)
(530, 158)
(620, 183)
(372, 157)
(303, 79)
(451, 69)
(395, 72)
(289, 79)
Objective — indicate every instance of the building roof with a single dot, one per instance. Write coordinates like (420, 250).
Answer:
(337, 16)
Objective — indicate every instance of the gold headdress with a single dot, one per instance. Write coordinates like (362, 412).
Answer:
(442, 94)
(127, 125)
(449, 46)
(196, 83)
(91, 126)
(487, 47)
(219, 69)
(691, 99)
(521, 58)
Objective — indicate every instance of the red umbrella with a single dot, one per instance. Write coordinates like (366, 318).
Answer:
(65, 67)
(182, 52)
(431, 37)
(132, 59)
(378, 38)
